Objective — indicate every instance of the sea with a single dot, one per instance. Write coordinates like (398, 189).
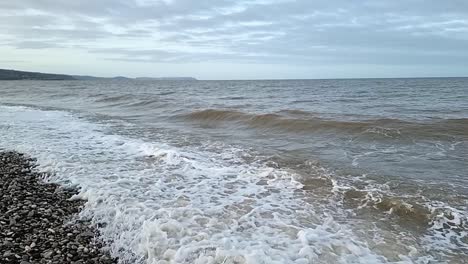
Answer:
(270, 171)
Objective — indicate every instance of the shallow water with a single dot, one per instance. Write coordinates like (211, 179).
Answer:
(300, 171)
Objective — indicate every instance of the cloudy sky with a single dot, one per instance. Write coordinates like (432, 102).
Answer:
(236, 39)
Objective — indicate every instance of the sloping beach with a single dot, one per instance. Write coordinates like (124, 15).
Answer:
(38, 220)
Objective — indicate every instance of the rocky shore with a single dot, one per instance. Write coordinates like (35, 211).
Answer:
(37, 222)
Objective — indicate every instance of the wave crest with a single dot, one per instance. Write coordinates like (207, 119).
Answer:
(300, 121)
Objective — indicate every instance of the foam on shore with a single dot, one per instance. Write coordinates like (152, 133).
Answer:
(166, 204)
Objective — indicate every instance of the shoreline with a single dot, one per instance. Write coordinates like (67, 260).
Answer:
(38, 220)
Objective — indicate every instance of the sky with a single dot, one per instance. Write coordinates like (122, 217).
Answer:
(236, 39)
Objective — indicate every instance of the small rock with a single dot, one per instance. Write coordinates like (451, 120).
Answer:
(48, 254)
(33, 217)
(87, 234)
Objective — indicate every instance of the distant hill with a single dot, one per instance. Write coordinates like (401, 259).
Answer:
(166, 78)
(88, 78)
(85, 77)
(94, 78)
(23, 75)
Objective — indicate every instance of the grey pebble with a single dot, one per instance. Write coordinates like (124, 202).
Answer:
(37, 219)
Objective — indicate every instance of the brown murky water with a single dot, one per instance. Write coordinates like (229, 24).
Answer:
(299, 171)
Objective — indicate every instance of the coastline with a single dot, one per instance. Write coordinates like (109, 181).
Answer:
(38, 220)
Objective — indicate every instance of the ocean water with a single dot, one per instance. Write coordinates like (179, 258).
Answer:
(294, 171)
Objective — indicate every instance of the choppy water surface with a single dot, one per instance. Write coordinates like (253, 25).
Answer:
(300, 171)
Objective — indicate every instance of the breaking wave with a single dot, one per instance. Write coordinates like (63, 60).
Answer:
(154, 202)
(302, 121)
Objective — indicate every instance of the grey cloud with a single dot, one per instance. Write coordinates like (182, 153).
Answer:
(34, 45)
(12, 61)
(255, 31)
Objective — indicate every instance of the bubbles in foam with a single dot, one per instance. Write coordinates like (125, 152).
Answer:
(434, 226)
(162, 204)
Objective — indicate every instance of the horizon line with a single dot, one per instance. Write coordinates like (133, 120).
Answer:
(337, 78)
(260, 79)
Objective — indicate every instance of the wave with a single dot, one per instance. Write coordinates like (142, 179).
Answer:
(302, 121)
(152, 195)
(405, 211)
(443, 227)
(146, 104)
(132, 102)
(166, 93)
(296, 112)
(234, 98)
(153, 201)
(112, 99)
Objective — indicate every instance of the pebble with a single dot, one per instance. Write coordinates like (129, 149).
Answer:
(37, 223)
(48, 254)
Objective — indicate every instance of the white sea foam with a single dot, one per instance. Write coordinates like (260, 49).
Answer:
(448, 228)
(166, 204)
(446, 233)
(163, 204)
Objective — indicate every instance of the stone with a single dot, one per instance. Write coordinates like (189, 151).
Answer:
(48, 254)
(35, 226)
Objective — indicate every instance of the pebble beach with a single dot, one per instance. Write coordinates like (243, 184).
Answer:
(38, 220)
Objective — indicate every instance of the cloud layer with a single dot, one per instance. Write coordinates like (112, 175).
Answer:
(352, 37)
